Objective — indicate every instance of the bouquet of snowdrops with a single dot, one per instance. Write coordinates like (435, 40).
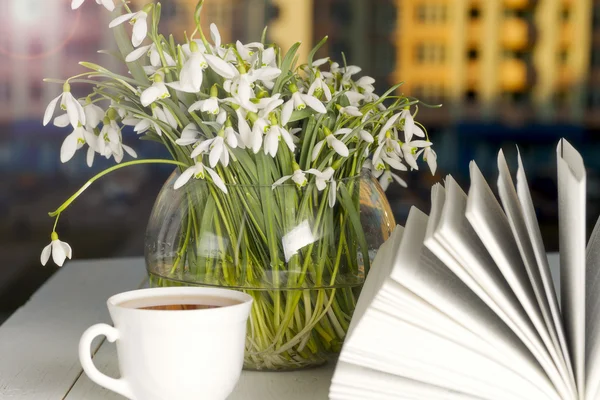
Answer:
(244, 114)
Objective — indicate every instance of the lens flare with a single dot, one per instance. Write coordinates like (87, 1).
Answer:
(30, 15)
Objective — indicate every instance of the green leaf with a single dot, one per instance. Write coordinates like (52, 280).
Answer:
(312, 53)
(286, 65)
(346, 202)
(298, 115)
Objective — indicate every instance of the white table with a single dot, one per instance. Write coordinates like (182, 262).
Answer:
(38, 344)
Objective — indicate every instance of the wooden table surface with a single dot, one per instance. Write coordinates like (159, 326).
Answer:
(38, 344)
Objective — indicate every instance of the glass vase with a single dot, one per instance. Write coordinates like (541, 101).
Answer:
(302, 257)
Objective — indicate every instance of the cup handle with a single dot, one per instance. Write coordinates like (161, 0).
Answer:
(116, 385)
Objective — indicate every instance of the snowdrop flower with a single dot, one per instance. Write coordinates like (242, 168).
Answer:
(274, 134)
(350, 110)
(354, 97)
(430, 157)
(158, 90)
(140, 25)
(218, 147)
(298, 102)
(110, 143)
(192, 72)
(248, 51)
(298, 176)
(152, 52)
(408, 125)
(388, 177)
(366, 84)
(75, 141)
(332, 142)
(69, 104)
(108, 4)
(198, 172)
(210, 105)
(409, 150)
(93, 115)
(319, 88)
(60, 251)
(321, 181)
(189, 135)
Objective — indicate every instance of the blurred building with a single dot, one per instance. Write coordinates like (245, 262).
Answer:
(509, 59)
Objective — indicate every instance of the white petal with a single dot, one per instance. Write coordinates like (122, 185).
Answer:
(224, 157)
(215, 35)
(279, 181)
(109, 5)
(46, 254)
(320, 61)
(313, 87)
(326, 91)
(142, 126)
(150, 95)
(137, 53)
(67, 249)
(420, 143)
(170, 118)
(58, 253)
(244, 90)
(71, 105)
(231, 139)
(366, 136)
(215, 152)
(417, 131)
(62, 121)
(332, 193)
(196, 105)
(93, 115)
(343, 131)
(140, 30)
(217, 179)
(120, 19)
(317, 149)
(287, 138)
(431, 159)
(395, 163)
(256, 141)
(385, 180)
(400, 181)
(68, 148)
(75, 4)
(221, 67)
(266, 73)
(50, 110)
(184, 177)
(339, 147)
(129, 150)
(271, 143)
(314, 103)
(90, 157)
(388, 125)
(410, 159)
(201, 148)
(286, 112)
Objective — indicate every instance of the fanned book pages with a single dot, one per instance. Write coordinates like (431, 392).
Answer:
(461, 304)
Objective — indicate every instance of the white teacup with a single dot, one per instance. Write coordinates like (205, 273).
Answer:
(173, 354)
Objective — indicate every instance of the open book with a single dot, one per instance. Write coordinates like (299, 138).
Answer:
(460, 304)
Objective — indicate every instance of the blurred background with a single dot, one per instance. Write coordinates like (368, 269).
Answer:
(508, 72)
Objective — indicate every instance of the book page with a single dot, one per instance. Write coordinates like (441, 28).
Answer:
(571, 223)
(381, 268)
(546, 297)
(426, 345)
(455, 234)
(592, 310)
(491, 225)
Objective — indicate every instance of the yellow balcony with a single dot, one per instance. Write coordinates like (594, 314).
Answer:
(474, 34)
(513, 76)
(566, 35)
(473, 74)
(517, 4)
(515, 34)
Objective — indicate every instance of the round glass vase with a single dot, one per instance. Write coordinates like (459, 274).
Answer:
(301, 259)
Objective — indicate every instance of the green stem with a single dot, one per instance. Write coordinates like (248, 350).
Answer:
(107, 171)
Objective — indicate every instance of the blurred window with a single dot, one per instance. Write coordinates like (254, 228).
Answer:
(474, 12)
(341, 12)
(384, 17)
(430, 53)
(169, 9)
(593, 97)
(431, 13)
(565, 14)
(385, 54)
(471, 96)
(431, 92)
(473, 54)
